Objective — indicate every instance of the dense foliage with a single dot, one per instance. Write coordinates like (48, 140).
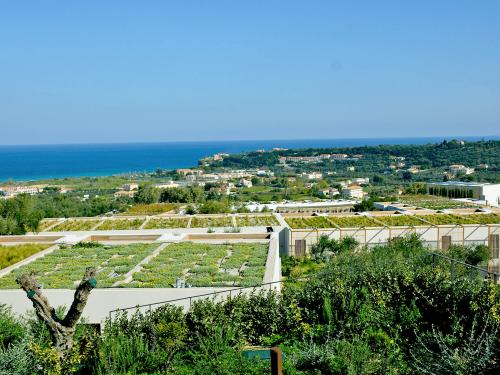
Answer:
(19, 215)
(376, 158)
(389, 310)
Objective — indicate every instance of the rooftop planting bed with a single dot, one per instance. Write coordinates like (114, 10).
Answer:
(12, 254)
(149, 209)
(204, 265)
(75, 225)
(485, 218)
(399, 220)
(45, 224)
(161, 223)
(443, 219)
(211, 222)
(63, 268)
(330, 222)
(394, 220)
(256, 220)
(121, 224)
(432, 202)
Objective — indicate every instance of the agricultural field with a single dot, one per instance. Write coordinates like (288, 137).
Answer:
(211, 222)
(399, 220)
(204, 265)
(149, 209)
(121, 224)
(45, 224)
(256, 220)
(64, 267)
(75, 225)
(432, 202)
(164, 223)
(10, 255)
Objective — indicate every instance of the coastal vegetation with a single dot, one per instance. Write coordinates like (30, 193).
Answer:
(432, 158)
(391, 309)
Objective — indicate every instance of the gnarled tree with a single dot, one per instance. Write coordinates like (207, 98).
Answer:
(61, 330)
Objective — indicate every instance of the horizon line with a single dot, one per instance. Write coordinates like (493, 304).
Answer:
(444, 137)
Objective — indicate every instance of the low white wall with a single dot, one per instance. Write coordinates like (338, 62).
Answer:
(273, 263)
(102, 301)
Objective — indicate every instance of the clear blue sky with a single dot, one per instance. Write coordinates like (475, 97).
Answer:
(122, 71)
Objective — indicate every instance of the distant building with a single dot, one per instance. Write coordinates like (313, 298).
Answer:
(460, 169)
(184, 172)
(222, 189)
(125, 193)
(353, 192)
(414, 169)
(130, 186)
(264, 173)
(166, 185)
(12, 191)
(338, 156)
(330, 192)
(245, 183)
(351, 168)
(490, 193)
(313, 175)
(361, 180)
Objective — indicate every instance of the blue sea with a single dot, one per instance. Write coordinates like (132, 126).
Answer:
(34, 162)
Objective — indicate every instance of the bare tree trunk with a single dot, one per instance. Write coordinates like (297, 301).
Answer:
(61, 330)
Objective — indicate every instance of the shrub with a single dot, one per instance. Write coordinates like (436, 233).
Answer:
(11, 329)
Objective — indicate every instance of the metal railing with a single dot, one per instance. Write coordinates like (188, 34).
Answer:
(495, 277)
(230, 292)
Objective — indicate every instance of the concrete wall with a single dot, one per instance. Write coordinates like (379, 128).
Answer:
(102, 301)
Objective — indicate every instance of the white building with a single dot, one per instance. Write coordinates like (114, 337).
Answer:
(490, 193)
(246, 183)
(167, 185)
(12, 191)
(459, 168)
(353, 192)
(361, 180)
(330, 192)
(130, 186)
(313, 175)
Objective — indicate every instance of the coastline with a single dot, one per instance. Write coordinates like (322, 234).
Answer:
(38, 162)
